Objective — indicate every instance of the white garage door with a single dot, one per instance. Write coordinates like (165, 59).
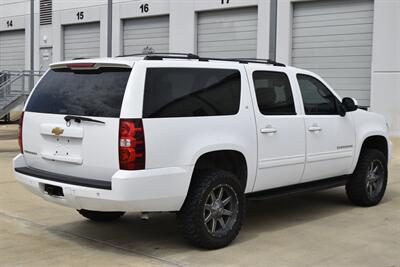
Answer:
(82, 40)
(334, 39)
(12, 50)
(146, 35)
(227, 33)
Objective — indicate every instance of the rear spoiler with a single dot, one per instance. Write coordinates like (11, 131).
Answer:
(87, 65)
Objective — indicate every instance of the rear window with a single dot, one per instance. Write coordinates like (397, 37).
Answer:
(186, 92)
(96, 93)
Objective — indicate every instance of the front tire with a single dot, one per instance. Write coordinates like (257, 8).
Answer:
(212, 214)
(368, 183)
(101, 216)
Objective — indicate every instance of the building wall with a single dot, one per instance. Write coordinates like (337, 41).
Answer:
(18, 12)
(385, 73)
(385, 93)
(182, 21)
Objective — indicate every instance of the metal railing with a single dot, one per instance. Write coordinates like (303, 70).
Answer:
(14, 88)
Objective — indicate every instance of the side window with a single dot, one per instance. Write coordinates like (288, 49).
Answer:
(273, 92)
(317, 99)
(186, 92)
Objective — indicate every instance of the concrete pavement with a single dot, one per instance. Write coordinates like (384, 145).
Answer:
(316, 229)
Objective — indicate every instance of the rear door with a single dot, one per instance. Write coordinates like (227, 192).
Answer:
(75, 147)
(280, 130)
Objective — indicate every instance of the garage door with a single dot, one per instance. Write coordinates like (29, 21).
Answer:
(12, 50)
(334, 39)
(82, 40)
(227, 33)
(146, 35)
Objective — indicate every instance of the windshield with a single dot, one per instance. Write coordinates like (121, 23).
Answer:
(96, 93)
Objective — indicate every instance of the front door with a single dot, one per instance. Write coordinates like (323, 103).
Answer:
(330, 137)
(280, 131)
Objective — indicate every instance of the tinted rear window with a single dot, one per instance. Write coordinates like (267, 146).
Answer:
(96, 93)
(185, 92)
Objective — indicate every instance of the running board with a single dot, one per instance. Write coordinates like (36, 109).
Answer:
(298, 188)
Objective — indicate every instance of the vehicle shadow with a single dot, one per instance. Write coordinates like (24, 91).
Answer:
(160, 235)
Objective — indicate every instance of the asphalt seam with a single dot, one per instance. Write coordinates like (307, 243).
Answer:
(104, 243)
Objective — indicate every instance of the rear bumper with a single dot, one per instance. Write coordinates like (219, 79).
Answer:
(162, 189)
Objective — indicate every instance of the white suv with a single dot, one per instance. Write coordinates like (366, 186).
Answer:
(193, 135)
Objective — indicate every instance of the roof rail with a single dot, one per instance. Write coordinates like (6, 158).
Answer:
(261, 60)
(150, 56)
(161, 56)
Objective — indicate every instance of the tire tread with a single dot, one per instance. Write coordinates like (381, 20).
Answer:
(355, 188)
(187, 219)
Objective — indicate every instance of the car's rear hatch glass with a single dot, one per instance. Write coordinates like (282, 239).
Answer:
(96, 92)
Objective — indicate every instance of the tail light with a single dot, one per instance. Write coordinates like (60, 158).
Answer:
(20, 123)
(132, 148)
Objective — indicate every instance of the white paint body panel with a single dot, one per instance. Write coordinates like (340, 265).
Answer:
(76, 151)
(330, 150)
(173, 145)
(279, 163)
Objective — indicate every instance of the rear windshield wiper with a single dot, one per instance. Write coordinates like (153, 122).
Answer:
(78, 119)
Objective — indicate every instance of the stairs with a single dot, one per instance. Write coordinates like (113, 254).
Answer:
(14, 89)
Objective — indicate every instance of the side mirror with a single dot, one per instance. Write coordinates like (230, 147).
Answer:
(350, 104)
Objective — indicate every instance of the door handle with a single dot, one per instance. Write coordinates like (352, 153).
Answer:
(315, 128)
(268, 130)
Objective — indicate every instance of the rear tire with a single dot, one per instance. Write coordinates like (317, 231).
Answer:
(212, 214)
(101, 216)
(368, 183)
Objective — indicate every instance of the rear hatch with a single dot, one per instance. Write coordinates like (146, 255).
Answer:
(71, 120)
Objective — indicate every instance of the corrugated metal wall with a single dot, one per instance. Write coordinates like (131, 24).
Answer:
(82, 40)
(227, 33)
(12, 50)
(334, 39)
(146, 34)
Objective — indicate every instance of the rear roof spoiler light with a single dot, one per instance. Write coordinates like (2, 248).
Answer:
(81, 65)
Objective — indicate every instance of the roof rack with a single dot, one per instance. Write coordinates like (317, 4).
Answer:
(161, 56)
(262, 60)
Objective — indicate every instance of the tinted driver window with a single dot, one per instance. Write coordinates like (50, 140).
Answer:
(185, 92)
(317, 99)
(273, 92)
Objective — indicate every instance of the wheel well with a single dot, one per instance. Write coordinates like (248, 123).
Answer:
(227, 160)
(377, 142)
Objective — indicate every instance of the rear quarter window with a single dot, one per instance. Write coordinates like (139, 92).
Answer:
(97, 93)
(186, 92)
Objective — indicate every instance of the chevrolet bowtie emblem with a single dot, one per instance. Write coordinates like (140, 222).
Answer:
(57, 131)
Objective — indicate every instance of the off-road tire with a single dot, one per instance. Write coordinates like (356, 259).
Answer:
(357, 186)
(191, 218)
(101, 216)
